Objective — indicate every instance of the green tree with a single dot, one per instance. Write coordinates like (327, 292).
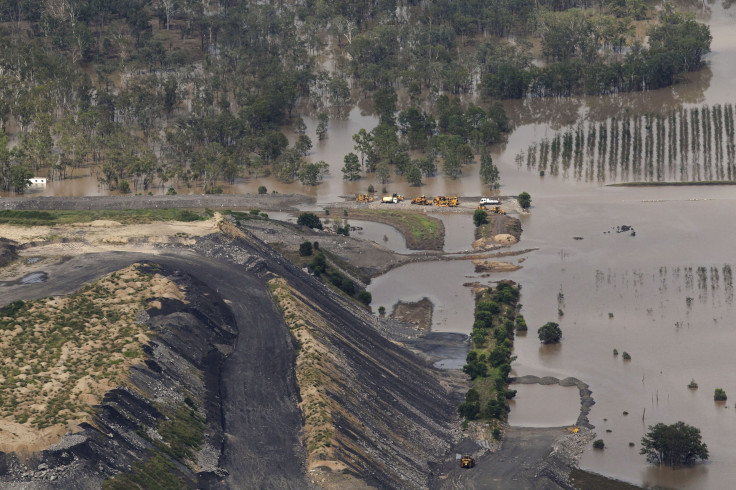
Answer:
(488, 170)
(309, 219)
(305, 249)
(673, 445)
(525, 200)
(262, 189)
(363, 142)
(351, 169)
(322, 121)
(311, 173)
(480, 217)
(414, 176)
(550, 333)
(382, 173)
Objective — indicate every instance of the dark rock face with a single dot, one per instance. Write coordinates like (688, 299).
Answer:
(191, 341)
(7, 251)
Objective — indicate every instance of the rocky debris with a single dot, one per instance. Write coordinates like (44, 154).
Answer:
(8, 251)
(417, 313)
(621, 229)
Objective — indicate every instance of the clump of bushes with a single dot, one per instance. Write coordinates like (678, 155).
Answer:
(550, 333)
(720, 395)
(310, 220)
(599, 444)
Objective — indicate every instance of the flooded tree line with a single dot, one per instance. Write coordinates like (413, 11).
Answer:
(694, 144)
(714, 282)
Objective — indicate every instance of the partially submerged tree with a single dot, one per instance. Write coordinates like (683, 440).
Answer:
(674, 445)
(549, 333)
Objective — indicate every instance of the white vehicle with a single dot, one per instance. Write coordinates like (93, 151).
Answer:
(489, 201)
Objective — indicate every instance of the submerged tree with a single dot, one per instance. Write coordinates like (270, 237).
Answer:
(673, 445)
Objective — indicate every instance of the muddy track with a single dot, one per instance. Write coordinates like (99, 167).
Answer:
(271, 202)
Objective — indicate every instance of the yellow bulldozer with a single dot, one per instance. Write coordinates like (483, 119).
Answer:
(443, 201)
(497, 210)
(364, 198)
(467, 462)
(421, 200)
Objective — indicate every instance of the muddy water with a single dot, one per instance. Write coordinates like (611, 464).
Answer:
(385, 235)
(544, 405)
(441, 282)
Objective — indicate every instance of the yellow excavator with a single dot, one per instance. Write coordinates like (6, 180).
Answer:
(421, 200)
(467, 462)
(364, 198)
(497, 210)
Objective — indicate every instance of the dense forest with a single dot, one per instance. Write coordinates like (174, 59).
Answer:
(170, 93)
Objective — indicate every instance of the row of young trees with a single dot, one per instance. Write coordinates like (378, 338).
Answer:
(695, 144)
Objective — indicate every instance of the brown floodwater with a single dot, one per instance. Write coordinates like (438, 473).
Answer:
(664, 296)
(538, 405)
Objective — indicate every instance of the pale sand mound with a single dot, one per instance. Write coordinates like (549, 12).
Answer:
(489, 243)
(505, 239)
(99, 223)
(493, 266)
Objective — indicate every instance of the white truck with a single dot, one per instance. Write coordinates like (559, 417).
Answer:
(489, 201)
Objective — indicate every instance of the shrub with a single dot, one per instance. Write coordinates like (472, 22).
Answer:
(310, 220)
(262, 189)
(599, 444)
(525, 200)
(124, 187)
(318, 264)
(521, 324)
(170, 191)
(615, 352)
(625, 356)
(371, 189)
(720, 395)
(692, 384)
(365, 297)
(305, 249)
(549, 333)
(480, 217)
(381, 310)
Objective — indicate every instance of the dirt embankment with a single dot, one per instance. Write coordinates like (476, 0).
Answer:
(272, 202)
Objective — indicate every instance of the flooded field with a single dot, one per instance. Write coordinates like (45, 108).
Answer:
(544, 406)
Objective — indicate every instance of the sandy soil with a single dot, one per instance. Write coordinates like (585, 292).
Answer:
(109, 234)
(93, 356)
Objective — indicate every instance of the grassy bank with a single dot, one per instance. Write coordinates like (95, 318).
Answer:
(124, 216)
(488, 362)
(421, 232)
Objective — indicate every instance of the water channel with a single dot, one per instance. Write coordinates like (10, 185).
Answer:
(664, 296)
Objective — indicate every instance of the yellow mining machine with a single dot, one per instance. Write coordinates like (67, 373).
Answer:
(364, 198)
(497, 210)
(421, 200)
(467, 462)
(443, 201)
